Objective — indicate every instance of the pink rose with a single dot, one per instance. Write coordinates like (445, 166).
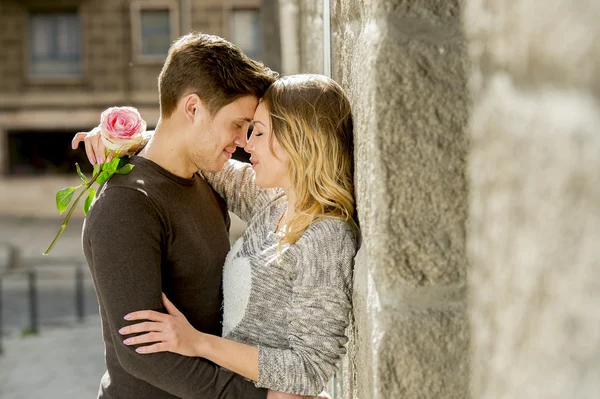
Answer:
(121, 128)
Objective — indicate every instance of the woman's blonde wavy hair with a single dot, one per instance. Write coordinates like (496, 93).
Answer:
(311, 119)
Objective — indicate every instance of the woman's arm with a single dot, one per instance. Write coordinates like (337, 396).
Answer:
(235, 183)
(175, 334)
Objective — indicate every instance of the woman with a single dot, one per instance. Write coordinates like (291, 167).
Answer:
(287, 280)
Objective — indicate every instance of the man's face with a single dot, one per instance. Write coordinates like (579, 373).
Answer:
(215, 138)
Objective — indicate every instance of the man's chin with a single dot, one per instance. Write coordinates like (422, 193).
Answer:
(214, 168)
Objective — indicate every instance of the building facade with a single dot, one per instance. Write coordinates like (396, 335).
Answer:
(63, 62)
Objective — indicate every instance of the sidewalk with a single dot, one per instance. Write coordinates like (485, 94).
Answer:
(60, 362)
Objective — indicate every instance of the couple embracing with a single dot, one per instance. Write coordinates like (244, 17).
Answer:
(183, 315)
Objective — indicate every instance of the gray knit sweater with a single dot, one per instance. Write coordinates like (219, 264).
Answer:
(293, 304)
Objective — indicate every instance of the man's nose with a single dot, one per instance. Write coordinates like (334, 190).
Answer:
(241, 138)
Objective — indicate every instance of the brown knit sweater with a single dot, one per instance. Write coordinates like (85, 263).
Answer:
(150, 232)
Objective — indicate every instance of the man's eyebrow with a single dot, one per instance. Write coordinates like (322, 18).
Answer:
(244, 119)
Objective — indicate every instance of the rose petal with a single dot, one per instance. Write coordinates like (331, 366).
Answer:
(121, 126)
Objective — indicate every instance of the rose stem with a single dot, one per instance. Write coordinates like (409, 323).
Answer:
(70, 212)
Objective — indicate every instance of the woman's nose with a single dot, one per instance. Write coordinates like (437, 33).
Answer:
(249, 147)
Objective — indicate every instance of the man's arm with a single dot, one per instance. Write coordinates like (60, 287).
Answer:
(125, 233)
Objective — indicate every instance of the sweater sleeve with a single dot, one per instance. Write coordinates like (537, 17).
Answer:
(235, 183)
(321, 302)
(123, 241)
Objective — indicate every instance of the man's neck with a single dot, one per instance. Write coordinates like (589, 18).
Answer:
(167, 150)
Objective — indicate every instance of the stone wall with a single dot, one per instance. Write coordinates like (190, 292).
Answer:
(534, 171)
(404, 65)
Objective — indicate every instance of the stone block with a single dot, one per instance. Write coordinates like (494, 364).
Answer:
(554, 42)
(534, 218)
(310, 14)
(404, 66)
(534, 233)
(407, 342)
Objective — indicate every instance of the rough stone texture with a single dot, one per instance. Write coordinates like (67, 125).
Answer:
(535, 188)
(404, 66)
(271, 34)
(310, 14)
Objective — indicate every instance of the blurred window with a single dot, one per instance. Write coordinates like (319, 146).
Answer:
(245, 31)
(156, 32)
(55, 45)
(155, 25)
(46, 152)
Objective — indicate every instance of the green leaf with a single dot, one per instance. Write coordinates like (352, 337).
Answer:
(63, 197)
(104, 176)
(88, 200)
(96, 169)
(125, 169)
(111, 166)
(122, 162)
(81, 175)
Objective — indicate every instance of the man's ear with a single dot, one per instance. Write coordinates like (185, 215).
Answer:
(191, 107)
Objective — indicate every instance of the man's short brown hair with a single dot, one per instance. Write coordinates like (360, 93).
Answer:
(214, 69)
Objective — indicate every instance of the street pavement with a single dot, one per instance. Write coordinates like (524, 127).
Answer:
(60, 362)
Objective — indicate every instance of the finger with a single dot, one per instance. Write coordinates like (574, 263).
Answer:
(90, 152)
(147, 315)
(78, 138)
(111, 156)
(145, 339)
(146, 326)
(159, 347)
(99, 148)
(170, 307)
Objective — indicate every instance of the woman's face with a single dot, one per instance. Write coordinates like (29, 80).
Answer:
(270, 167)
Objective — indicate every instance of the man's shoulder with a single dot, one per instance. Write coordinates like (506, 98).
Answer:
(130, 193)
(124, 205)
(141, 178)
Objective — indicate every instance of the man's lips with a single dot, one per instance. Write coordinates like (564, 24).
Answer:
(229, 152)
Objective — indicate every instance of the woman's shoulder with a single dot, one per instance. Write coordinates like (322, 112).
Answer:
(324, 254)
(331, 227)
(334, 234)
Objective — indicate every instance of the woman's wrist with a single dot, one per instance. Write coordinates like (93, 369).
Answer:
(202, 345)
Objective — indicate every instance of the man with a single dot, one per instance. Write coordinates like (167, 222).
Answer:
(161, 228)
